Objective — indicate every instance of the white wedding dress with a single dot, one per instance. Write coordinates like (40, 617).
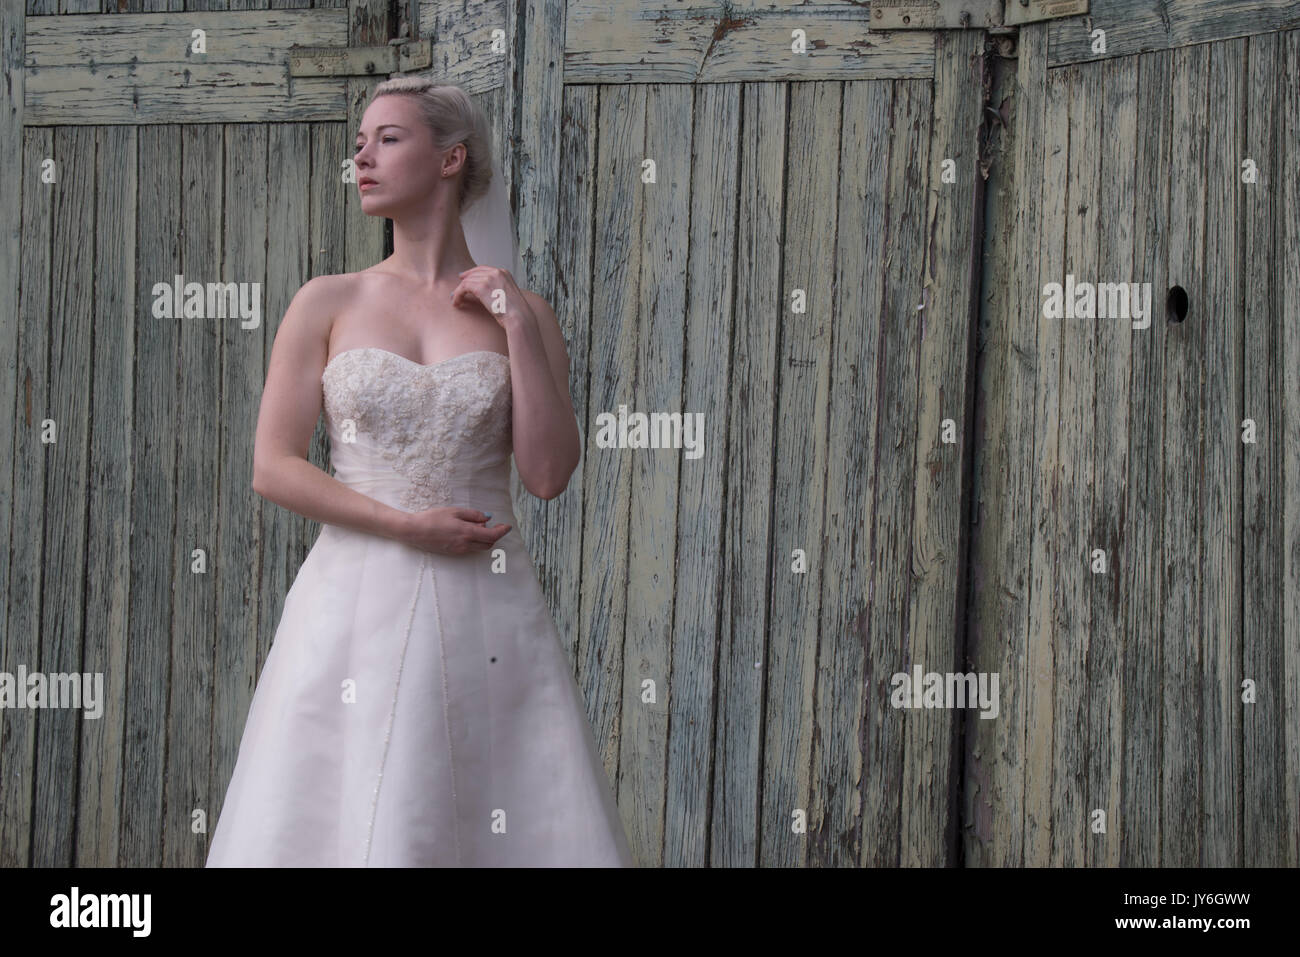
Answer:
(417, 709)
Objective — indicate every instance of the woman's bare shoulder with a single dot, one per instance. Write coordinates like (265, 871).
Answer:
(322, 298)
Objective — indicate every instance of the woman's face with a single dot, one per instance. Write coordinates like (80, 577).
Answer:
(397, 167)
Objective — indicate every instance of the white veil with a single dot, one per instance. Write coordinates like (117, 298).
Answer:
(489, 228)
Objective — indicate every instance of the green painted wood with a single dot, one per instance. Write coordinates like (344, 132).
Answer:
(1120, 691)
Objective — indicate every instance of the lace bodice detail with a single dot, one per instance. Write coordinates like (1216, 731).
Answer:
(442, 428)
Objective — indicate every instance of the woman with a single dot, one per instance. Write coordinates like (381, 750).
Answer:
(416, 707)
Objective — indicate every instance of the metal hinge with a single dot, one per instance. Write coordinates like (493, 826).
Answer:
(397, 56)
(968, 14)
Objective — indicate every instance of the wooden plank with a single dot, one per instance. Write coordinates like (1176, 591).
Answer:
(27, 543)
(1140, 811)
(15, 803)
(568, 564)
(747, 538)
(1136, 26)
(619, 121)
(535, 153)
(288, 188)
(1007, 449)
(197, 625)
(945, 292)
(329, 151)
(1220, 514)
(632, 41)
(850, 764)
(108, 561)
(545, 178)
(159, 93)
(1184, 457)
(890, 551)
(1075, 579)
(1116, 115)
(1288, 252)
(71, 320)
(556, 531)
(1266, 830)
(799, 439)
(652, 586)
(528, 141)
(380, 61)
(232, 37)
(1050, 549)
(702, 496)
(465, 50)
(240, 554)
(137, 67)
(153, 502)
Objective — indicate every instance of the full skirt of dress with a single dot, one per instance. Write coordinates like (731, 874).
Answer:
(417, 709)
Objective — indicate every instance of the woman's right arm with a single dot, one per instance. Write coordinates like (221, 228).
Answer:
(286, 420)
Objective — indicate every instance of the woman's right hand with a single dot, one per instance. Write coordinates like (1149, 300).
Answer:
(451, 531)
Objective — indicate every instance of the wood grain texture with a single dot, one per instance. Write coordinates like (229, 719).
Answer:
(618, 119)
(1134, 677)
(635, 41)
(198, 623)
(15, 803)
(108, 556)
(1220, 514)
(1183, 480)
(1140, 800)
(747, 537)
(154, 547)
(1263, 742)
(1075, 575)
(849, 772)
(1049, 552)
(1137, 26)
(555, 533)
(652, 587)
(800, 439)
(1287, 251)
(463, 43)
(947, 293)
(1117, 119)
(241, 556)
(23, 635)
(139, 68)
(1005, 439)
(1120, 691)
(703, 491)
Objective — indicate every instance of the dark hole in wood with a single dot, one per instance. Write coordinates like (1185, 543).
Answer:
(1176, 305)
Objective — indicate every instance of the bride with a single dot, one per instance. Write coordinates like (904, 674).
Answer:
(416, 707)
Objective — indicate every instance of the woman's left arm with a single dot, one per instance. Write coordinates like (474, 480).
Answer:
(547, 444)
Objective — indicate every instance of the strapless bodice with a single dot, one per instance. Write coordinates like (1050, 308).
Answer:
(418, 436)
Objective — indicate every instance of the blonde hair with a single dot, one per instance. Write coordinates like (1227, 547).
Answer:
(453, 117)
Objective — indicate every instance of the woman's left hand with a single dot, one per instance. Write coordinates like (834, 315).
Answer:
(495, 288)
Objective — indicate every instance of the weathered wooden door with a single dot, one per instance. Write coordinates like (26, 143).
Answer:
(775, 217)
(157, 150)
(1135, 571)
